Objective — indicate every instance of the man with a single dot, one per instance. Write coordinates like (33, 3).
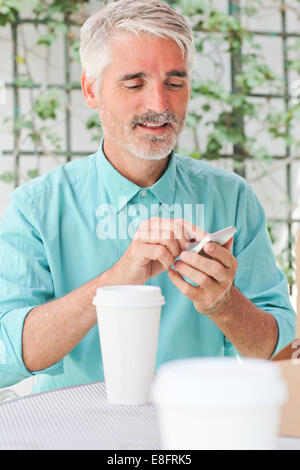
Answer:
(57, 247)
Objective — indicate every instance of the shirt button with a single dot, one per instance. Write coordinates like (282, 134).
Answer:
(226, 340)
(143, 193)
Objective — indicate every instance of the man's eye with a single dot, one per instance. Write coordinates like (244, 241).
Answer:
(133, 87)
(175, 85)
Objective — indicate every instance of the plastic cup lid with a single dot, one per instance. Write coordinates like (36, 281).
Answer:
(218, 383)
(129, 296)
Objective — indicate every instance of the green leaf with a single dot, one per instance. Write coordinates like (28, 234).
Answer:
(7, 177)
(54, 140)
(24, 81)
(22, 122)
(32, 173)
(9, 10)
(196, 154)
(93, 122)
(46, 39)
(48, 103)
(192, 120)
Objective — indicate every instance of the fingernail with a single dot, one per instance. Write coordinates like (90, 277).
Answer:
(210, 248)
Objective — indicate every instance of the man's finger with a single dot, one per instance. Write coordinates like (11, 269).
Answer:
(200, 278)
(156, 253)
(182, 229)
(220, 253)
(187, 289)
(165, 238)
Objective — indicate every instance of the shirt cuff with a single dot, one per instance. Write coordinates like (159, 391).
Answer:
(286, 330)
(11, 357)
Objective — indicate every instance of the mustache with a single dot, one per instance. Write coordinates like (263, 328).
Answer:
(165, 118)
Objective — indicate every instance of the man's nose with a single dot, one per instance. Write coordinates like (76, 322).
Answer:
(156, 99)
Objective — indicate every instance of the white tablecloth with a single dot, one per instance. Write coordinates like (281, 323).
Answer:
(81, 418)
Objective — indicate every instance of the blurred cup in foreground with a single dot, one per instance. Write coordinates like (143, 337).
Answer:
(128, 322)
(219, 403)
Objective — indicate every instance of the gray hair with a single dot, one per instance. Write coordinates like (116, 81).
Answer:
(134, 16)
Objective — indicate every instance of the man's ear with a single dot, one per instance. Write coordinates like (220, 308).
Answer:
(88, 90)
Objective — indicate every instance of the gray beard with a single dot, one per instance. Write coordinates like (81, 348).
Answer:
(153, 154)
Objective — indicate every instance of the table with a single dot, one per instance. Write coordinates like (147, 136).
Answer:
(80, 418)
(76, 418)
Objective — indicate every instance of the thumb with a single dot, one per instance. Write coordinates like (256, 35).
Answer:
(228, 244)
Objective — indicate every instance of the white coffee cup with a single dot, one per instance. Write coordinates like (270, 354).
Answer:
(128, 321)
(219, 403)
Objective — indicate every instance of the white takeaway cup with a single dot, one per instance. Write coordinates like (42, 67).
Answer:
(128, 321)
(219, 404)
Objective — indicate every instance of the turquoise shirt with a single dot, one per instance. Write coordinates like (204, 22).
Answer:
(65, 228)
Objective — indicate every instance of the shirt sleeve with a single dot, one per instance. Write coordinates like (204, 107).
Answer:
(258, 276)
(25, 282)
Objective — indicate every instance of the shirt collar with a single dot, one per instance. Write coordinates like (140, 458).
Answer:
(121, 190)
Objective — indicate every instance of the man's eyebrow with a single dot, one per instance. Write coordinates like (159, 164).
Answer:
(131, 76)
(177, 73)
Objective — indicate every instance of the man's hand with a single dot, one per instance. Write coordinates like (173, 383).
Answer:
(154, 248)
(213, 276)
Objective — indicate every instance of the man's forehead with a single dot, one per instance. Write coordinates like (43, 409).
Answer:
(140, 53)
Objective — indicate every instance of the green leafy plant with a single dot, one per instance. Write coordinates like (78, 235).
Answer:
(48, 103)
(9, 10)
(93, 124)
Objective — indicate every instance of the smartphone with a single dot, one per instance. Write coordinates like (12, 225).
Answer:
(220, 237)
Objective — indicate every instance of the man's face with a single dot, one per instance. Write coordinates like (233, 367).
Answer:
(144, 95)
